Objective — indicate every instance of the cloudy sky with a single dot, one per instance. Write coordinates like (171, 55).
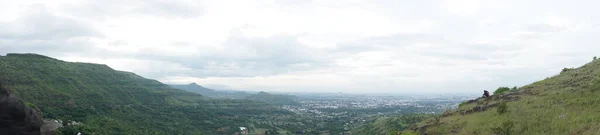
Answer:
(355, 46)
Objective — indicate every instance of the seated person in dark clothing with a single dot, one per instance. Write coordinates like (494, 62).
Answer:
(16, 118)
(486, 93)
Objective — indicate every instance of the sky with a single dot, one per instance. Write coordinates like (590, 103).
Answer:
(350, 46)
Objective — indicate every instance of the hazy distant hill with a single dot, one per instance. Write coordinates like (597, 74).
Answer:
(108, 101)
(231, 94)
(277, 99)
(565, 104)
(193, 87)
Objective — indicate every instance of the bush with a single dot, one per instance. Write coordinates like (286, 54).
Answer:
(564, 70)
(505, 129)
(462, 104)
(502, 108)
(514, 88)
(437, 118)
(501, 90)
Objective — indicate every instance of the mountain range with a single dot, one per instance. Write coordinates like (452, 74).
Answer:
(96, 99)
(275, 99)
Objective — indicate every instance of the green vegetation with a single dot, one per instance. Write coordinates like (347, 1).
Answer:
(563, 104)
(501, 90)
(502, 108)
(405, 133)
(505, 129)
(96, 99)
(193, 87)
(390, 124)
(564, 70)
(276, 99)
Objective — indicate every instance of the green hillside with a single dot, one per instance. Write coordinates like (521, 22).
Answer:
(107, 101)
(565, 104)
(390, 124)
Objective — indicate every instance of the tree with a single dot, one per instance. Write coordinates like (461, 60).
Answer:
(595, 57)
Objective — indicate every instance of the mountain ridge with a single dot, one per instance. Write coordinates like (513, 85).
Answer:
(107, 101)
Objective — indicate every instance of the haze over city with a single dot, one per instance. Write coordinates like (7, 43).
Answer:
(350, 46)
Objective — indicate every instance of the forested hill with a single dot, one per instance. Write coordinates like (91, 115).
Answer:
(565, 104)
(107, 101)
(193, 87)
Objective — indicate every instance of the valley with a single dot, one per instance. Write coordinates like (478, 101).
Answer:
(95, 99)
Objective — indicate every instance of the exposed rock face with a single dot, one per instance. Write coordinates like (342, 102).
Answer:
(16, 117)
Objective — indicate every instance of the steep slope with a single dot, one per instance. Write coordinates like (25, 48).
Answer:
(567, 103)
(389, 124)
(107, 101)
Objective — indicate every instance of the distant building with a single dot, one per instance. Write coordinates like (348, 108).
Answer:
(244, 130)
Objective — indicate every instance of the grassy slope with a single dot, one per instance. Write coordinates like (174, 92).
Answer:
(563, 104)
(115, 102)
(389, 124)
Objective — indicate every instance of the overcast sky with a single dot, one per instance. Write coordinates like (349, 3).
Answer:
(355, 46)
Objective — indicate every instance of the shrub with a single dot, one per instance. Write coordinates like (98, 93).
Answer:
(462, 104)
(437, 118)
(501, 90)
(564, 70)
(505, 128)
(502, 108)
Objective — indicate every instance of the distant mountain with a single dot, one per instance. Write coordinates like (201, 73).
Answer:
(564, 104)
(230, 94)
(106, 101)
(193, 87)
(277, 99)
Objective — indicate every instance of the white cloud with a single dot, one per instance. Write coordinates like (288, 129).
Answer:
(319, 45)
(461, 7)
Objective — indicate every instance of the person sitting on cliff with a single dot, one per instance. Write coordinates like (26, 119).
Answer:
(486, 93)
(16, 118)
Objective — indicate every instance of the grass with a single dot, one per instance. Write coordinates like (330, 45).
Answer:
(562, 104)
